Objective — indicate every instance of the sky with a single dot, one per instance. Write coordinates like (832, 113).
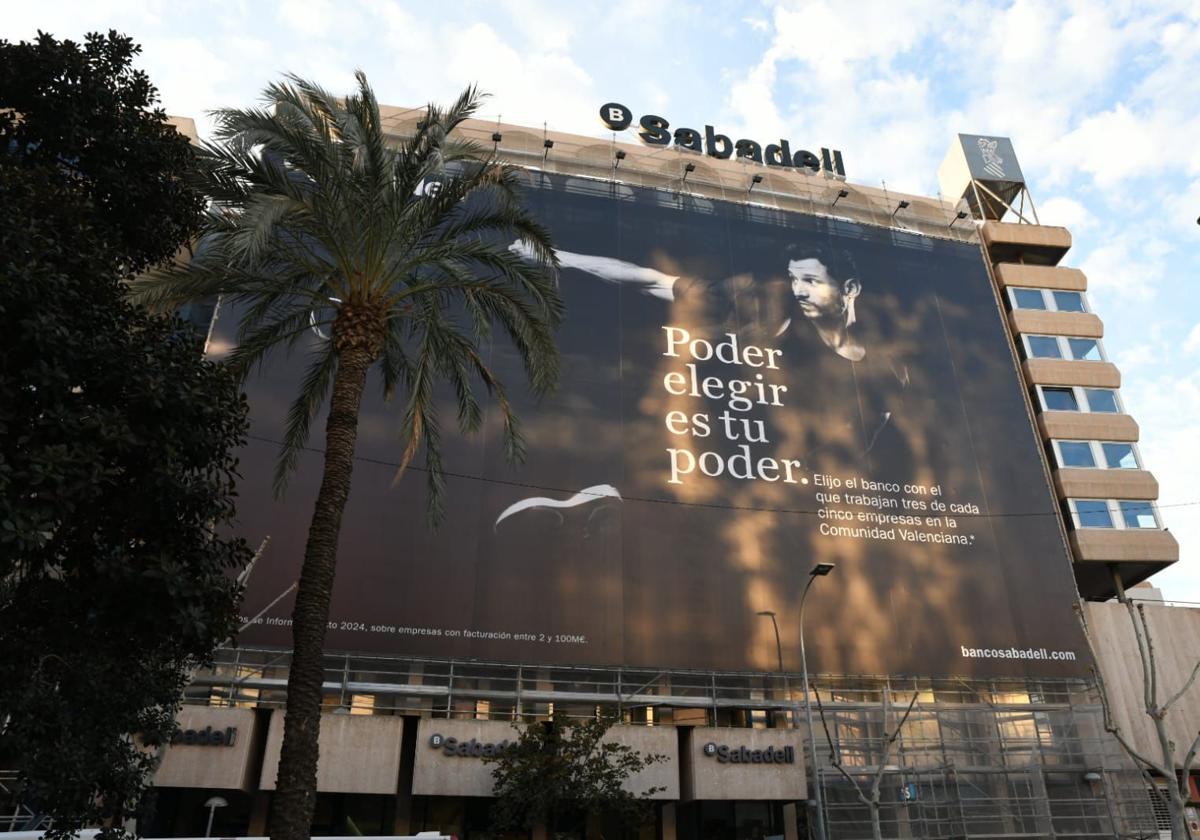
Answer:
(1101, 100)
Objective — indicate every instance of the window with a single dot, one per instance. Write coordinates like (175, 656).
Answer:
(1094, 453)
(1119, 456)
(1061, 347)
(1028, 299)
(1091, 513)
(1085, 349)
(1043, 347)
(1068, 301)
(1047, 299)
(1138, 514)
(1075, 453)
(1102, 400)
(1077, 398)
(1059, 399)
(1120, 514)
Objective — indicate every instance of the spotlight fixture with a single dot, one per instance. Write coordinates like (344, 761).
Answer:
(754, 179)
(688, 168)
(821, 569)
(548, 143)
(497, 137)
(899, 207)
(843, 193)
(962, 214)
(618, 156)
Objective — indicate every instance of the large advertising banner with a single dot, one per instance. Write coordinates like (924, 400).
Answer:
(745, 393)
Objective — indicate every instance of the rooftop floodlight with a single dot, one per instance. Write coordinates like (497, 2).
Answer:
(618, 156)
(841, 194)
(754, 179)
(497, 137)
(548, 143)
(688, 168)
(962, 214)
(899, 207)
(821, 569)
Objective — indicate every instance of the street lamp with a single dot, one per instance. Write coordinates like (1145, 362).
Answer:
(779, 651)
(213, 803)
(819, 570)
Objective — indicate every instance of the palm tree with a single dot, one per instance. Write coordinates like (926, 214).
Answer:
(320, 224)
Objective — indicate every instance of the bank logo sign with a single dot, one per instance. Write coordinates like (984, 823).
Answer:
(726, 754)
(656, 131)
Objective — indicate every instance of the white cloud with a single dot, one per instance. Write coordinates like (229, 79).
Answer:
(1191, 344)
(1065, 212)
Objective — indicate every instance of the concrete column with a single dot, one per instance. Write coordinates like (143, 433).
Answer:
(790, 828)
(259, 809)
(668, 821)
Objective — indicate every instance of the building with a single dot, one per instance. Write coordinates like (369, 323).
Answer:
(917, 392)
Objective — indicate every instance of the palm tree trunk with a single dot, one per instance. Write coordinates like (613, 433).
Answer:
(296, 784)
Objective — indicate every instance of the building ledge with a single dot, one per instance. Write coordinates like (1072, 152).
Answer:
(1111, 545)
(1037, 244)
(1038, 322)
(1082, 483)
(1077, 425)
(1041, 277)
(1069, 372)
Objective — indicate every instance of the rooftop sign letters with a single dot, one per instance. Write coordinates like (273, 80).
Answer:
(656, 131)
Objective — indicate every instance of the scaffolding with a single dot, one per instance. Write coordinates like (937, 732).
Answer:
(972, 759)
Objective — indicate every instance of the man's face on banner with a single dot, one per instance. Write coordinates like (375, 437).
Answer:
(818, 294)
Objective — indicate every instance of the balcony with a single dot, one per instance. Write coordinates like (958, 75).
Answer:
(1076, 425)
(1077, 483)
(1016, 243)
(1041, 277)
(1041, 322)
(1133, 554)
(1066, 372)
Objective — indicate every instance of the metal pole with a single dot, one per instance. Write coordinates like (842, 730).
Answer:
(812, 737)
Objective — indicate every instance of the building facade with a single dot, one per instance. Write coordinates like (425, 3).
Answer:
(948, 670)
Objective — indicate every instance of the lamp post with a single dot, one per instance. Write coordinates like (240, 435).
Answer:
(819, 570)
(779, 652)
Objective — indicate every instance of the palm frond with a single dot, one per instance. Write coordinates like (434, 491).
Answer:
(315, 211)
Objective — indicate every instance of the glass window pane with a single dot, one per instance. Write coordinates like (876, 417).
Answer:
(1119, 456)
(1076, 453)
(1085, 349)
(1029, 299)
(1068, 301)
(1043, 347)
(1093, 514)
(1138, 515)
(1102, 400)
(1059, 399)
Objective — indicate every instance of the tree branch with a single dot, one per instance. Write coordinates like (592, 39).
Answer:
(1182, 691)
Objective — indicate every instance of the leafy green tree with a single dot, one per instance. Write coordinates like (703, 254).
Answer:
(321, 224)
(553, 773)
(117, 439)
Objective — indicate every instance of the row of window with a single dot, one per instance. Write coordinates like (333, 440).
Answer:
(1110, 455)
(1062, 347)
(1121, 514)
(1078, 398)
(1049, 300)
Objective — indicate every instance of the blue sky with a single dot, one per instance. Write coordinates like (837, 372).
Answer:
(1101, 99)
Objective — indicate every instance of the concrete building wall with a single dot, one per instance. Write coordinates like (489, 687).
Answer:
(358, 753)
(708, 777)
(220, 766)
(1175, 632)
